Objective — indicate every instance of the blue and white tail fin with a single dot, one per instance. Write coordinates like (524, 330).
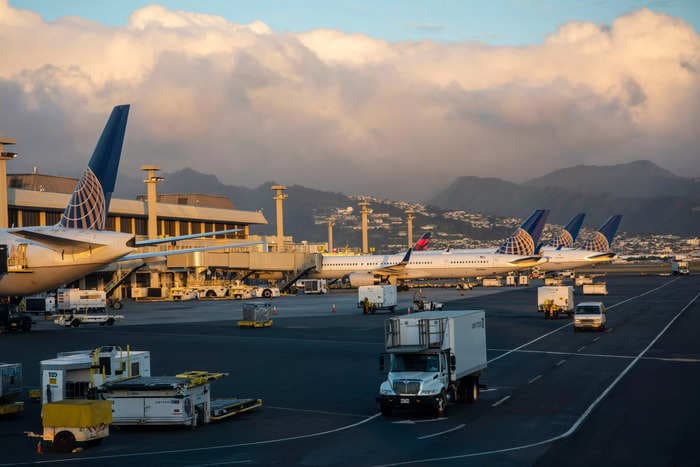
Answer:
(89, 204)
(567, 237)
(526, 237)
(602, 239)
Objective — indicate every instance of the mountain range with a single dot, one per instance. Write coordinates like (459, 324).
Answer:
(652, 200)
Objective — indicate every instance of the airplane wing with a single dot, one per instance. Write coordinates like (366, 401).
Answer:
(155, 254)
(395, 268)
(158, 241)
(54, 242)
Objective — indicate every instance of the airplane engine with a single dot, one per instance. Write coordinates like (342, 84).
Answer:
(358, 279)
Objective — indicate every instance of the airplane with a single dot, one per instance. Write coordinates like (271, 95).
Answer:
(516, 252)
(595, 249)
(35, 259)
(567, 236)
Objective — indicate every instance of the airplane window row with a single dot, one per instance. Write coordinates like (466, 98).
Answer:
(467, 262)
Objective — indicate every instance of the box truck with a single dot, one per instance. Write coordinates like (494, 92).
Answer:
(554, 301)
(371, 298)
(432, 358)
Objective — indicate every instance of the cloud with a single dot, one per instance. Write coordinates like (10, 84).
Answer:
(349, 112)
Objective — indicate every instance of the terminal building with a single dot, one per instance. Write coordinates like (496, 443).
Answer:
(39, 200)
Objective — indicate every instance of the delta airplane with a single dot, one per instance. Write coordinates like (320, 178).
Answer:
(35, 259)
(516, 252)
(595, 249)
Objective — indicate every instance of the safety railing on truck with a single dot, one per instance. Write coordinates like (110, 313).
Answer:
(423, 335)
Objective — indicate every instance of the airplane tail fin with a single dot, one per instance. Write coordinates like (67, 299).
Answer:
(602, 239)
(567, 237)
(89, 203)
(422, 243)
(526, 237)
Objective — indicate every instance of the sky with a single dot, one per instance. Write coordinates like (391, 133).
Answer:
(389, 98)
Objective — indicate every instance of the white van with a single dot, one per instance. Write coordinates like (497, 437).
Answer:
(589, 315)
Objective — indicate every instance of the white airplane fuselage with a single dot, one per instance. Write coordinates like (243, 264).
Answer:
(424, 265)
(571, 258)
(34, 267)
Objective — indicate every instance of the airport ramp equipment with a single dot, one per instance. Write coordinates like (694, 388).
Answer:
(256, 315)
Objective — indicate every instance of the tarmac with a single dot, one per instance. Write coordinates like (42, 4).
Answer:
(627, 396)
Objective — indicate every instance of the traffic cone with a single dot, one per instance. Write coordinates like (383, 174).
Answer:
(333, 308)
(38, 448)
(274, 310)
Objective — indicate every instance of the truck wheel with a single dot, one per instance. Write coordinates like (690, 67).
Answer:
(267, 293)
(75, 323)
(210, 294)
(110, 322)
(27, 325)
(117, 305)
(440, 406)
(64, 441)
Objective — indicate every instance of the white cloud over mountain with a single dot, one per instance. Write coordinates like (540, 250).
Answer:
(345, 111)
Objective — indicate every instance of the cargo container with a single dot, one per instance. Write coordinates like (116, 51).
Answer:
(599, 288)
(432, 358)
(491, 282)
(81, 300)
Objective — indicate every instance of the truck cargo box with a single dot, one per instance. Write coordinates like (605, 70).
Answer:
(377, 296)
(560, 296)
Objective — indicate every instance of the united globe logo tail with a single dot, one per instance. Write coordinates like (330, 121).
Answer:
(525, 237)
(89, 203)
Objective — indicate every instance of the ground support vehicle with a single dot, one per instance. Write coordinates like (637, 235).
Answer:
(256, 315)
(433, 358)
(554, 301)
(553, 281)
(240, 292)
(74, 300)
(12, 321)
(680, 268)
(315, 286)
(210, 291)
(184, 399)
(10, 388)
(371, 298)
(590, 315)
(597, 288)
(78, 375)
(511, 280)
(183, 294)
(523, 280)
(69, 423)
(75, 319)
(265, 292)
(421, 304)
(45, 304)
(581, 280)
(491, 282)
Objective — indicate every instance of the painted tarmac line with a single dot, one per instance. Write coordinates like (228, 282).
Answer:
(200, 449)
(247, 461)
(603, 355)
(500, 401)
(561, 362)
(571, 323)
(582, 418)
(580, 348)
(412, 422)
(595, 339)
(534, 379)
(312, 411)
(458, 427)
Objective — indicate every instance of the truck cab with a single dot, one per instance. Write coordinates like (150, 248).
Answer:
(589, 315)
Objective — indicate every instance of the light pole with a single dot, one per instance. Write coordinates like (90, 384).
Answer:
(4, 157)
(409, 220)
(280, 196)
(331, 223)
(365, 211)
(151, 203)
